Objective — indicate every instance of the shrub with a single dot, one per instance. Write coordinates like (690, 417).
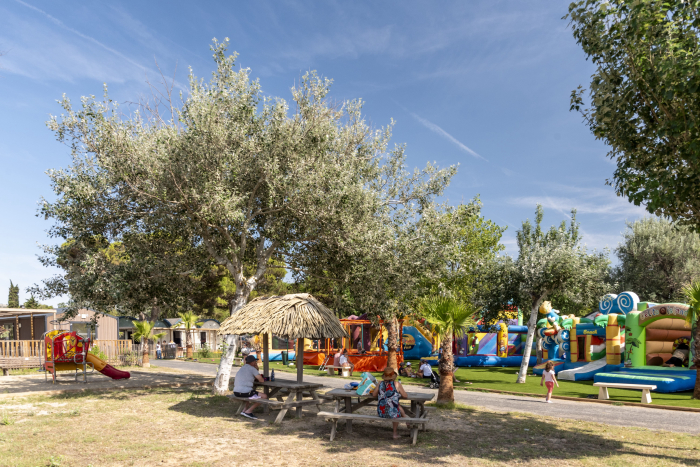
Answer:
(95, 350)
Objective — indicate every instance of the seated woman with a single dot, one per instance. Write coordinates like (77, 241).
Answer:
(388, 392)
(680, 356)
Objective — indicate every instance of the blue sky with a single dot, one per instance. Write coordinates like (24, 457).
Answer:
(484, 84)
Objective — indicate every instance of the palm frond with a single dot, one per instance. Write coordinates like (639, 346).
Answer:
(692, 295)
(448, 315)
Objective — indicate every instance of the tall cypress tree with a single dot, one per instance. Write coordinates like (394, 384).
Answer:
(13, 298)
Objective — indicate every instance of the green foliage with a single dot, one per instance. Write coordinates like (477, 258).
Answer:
(448, 316)
(144, 331)
(6, 419)
(550, 264)
(189, 321)
(657, 258)
(33, 304)
(645, 97)
(95, 350)
(13, 297)
(204, 352)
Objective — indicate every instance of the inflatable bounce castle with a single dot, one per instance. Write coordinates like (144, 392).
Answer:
(625, 341)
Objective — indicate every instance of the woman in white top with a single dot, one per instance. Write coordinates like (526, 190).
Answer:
(549, 379)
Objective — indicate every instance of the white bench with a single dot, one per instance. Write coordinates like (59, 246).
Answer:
(331, 370)
(334, 417)
(645, 388)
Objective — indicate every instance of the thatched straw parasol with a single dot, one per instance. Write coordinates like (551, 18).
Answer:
(294, 316)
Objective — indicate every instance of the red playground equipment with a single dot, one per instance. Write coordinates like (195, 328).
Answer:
(366, 346)
(68, 350)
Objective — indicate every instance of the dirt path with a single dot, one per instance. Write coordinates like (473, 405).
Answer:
(655, 419)
(25, 385)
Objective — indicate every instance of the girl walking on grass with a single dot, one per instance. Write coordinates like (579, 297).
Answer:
(549, 380)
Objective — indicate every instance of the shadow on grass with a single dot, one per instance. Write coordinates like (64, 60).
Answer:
(462, 432)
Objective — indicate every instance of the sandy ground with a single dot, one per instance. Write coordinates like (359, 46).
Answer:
(13, 386)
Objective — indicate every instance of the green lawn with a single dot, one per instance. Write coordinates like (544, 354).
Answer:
(503, 379)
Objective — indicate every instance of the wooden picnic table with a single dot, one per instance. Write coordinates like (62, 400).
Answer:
(417, 399)
(294, 392)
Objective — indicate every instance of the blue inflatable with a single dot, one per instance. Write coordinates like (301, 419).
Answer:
(486, 360)
(415, 345)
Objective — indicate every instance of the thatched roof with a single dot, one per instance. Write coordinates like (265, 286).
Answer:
(292, 316)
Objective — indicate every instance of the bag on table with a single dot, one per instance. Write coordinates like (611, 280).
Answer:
(367, 384)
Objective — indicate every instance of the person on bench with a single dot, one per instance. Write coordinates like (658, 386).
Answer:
(243, 385)
(336, 360)
(388, 393)
(345, 362)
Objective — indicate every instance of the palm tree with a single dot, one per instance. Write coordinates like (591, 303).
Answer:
(144, 333)
(190, 321)
(692, 294)
(449, 317)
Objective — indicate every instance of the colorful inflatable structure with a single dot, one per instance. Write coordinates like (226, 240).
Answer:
(626, 341)
(367, 345)
(498, 343)
(68, 351)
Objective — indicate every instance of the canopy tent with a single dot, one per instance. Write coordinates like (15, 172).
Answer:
(294, 316)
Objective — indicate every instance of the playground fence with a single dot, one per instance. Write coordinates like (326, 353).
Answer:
(27, 348)
(113, 350)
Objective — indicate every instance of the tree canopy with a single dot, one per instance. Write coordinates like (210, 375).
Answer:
(657, 259)
(235, 176)
(644, 98)
(549, 264)
(13, 296)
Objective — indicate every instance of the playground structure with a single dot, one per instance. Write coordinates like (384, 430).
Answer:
(69, 351)
(627, 341)
(366, 345)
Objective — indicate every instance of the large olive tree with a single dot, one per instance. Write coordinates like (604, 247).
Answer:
(243, 177)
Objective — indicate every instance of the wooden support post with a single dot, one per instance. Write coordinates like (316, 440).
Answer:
(300, 370)
(266, 356)
(266, 367)
(31, 319)
(16, 328)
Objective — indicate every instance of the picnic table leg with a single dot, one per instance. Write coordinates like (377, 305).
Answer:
(646, 396)
(316, 398)
(266, 390)
(283, 411)
(413, 409)
(603, 393)
(414, 435)
(240, 408)
(334, 428)
(299, 397)
(337, 405)
(348, 409)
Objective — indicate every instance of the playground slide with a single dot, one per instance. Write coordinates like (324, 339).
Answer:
(107, 370)
(585, 372)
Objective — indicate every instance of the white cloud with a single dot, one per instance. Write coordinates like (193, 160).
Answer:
(436, 129)
(599, 201)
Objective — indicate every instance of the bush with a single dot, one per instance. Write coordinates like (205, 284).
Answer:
(204, 352)
(95, 350)
(129, 358)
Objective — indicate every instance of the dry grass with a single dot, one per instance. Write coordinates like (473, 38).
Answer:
(191, 427)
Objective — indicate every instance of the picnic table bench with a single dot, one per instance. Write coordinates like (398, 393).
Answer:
(345, 411)
(276, 392)
(17, 363)
(645, 388)
(334, 417)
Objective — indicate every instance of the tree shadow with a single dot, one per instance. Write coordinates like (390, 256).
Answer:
(465, 434)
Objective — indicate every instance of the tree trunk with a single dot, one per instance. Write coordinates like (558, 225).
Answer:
(190, 353)
(539, 350)
(146, 362)
(531, 326)
(392, 334)
(696, 392)
(223, 374)
(446, 392)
